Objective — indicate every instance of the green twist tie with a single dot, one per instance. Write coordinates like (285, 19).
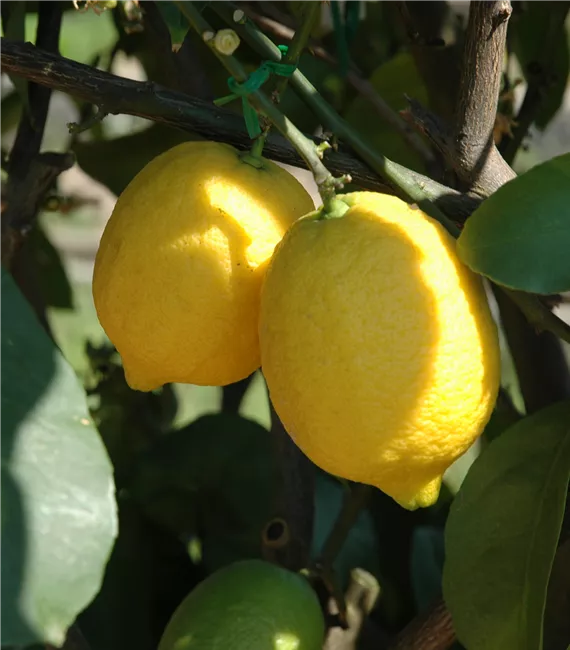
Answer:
(254, 82)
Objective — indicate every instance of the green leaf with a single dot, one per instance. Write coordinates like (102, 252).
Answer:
(216, 478)
(58, 506)
(51, 276)
(121, 616)
(539, 40)
(520, 236)
(175, 21)
(502, 532)
(393, 81)
(427, 564)
(360, 548)
(116, 162)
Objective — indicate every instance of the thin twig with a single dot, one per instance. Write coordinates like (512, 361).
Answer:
(154, 102)
(298, 40)
(31, 174)
(354, 502)
(326, 182)
(388, 169)
(361, 85)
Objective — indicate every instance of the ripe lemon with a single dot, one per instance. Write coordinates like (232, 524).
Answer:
(179, 268)
(248, 605)
(378, 346)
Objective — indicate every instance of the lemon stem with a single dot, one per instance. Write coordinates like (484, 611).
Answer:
(256, 150)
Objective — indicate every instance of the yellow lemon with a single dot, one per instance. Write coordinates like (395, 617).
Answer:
(179, 268)
(248, 605)
(378, 346)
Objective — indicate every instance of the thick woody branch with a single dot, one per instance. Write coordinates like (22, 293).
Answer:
(432, 630)
(477, 160)
(468, 146)
(115, 95)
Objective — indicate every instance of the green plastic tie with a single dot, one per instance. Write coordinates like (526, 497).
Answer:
(254, 82)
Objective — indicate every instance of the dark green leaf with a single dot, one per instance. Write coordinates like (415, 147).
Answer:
(427, 564)
(539, 40)
(58, 505)
(502, 532)
(51, 276)
(360, 548)
(215, 478)
(520, 236)
(175, 21)
(116, 162)
(120, 617)
(393, 81)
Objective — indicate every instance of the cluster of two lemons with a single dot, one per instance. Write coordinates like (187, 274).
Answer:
(377, 344)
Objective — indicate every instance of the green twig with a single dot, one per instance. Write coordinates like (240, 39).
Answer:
(352, 506)
(326, 183)
(415, 189)
(298, 44)
(396, 174)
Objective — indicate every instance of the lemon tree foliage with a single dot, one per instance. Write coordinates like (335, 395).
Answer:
(58, 505)
(190, 483)
(520, 236)
(502, 532)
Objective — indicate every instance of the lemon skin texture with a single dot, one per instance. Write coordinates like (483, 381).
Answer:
(178, 271)
(248, 605)
(378, 346)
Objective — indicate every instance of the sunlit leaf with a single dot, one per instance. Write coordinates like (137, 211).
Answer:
(520, 236)
(58, 505)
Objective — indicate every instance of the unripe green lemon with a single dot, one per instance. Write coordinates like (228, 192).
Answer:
(179, 268)
(378, 346)
(248, 605)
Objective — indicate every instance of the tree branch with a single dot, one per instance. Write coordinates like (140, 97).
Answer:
(295, 502)
(361, 85)
(469, 148)
(432, 630)
(31, 174)
(477, 161)
(145, 99)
